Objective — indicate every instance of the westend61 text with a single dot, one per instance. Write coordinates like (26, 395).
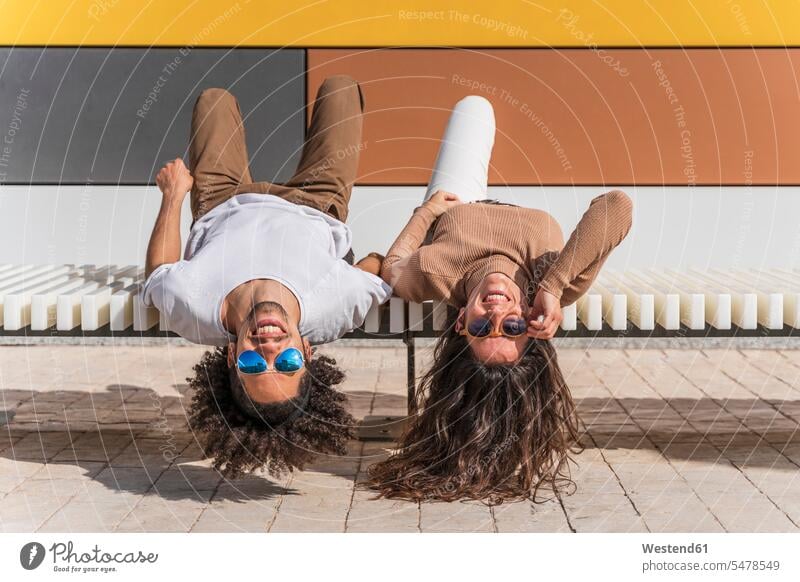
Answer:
(672, 549)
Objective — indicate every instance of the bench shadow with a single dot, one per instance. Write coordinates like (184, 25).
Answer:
(128, 439)
(132, 439)
(750, 431)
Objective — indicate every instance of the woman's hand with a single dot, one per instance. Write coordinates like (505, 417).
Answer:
(545, 316)
(174, 180)
(441, 202)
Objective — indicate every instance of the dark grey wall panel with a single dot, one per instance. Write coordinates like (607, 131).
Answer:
(102, 115)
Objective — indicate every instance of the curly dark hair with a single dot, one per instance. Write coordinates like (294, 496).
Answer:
(283, 436)
(492, 433)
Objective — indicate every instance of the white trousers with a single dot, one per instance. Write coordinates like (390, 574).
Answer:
(462, 165)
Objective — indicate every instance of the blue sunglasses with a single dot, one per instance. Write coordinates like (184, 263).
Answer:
(288, 361)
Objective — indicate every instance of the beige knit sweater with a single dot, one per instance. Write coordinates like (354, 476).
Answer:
(472, 240)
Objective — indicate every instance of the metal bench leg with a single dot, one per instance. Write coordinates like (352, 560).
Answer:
(411, 374)
(390, 428)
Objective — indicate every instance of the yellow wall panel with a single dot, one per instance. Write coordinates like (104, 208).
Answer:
(410, 22)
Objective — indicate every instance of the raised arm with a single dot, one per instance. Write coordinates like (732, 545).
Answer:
(411, 237)
(174, 181)
(603, 226)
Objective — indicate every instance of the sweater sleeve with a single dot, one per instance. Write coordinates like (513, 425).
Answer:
(603, 226)
(406, 244)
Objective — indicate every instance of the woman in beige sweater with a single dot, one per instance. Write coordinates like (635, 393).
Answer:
(497, 420)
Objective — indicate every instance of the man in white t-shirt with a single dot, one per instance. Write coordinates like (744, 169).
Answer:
(267, 270)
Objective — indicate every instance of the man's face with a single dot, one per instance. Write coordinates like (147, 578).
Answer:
(267, 330)
(495, 299)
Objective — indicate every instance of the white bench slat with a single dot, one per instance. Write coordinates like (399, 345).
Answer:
(144, 318)
(31, 277)
(614, 306)
(590, 311)
(770, 303)
(397, 315)
(68, 306)
(91, 296)
(744, 305)
(372, 323)
(17, 305)
(439, 315)
(692, 304)
(641, 306)
(122, 307)
(28, 280)
(789, 286)
(43, 304)
(8, 275)
(569, 321)
(717, 302)
(416, 318)
(96, 307)
(667, 305)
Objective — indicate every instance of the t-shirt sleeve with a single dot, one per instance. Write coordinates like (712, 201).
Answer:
(340, 303)
(153, 292)
(372, 286)
(362, 291)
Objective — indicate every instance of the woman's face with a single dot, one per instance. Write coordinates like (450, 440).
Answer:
(495, 299)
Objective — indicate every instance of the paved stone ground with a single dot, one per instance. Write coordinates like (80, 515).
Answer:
(677, 440)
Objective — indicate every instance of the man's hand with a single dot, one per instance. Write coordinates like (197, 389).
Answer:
(164, 247)
(545, 316)
(174, 180)
(441, 202)
(371, 264)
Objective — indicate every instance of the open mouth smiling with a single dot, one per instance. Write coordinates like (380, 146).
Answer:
(269, 328)
(495, 296)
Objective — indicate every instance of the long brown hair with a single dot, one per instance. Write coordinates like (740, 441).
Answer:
(487, 432)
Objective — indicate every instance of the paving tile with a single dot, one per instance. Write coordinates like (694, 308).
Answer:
(320, 504)
(14, 473)
(368, 513)
(40, 446)
(244, 505)
(677, 441)
(606, 513)
(150, 452)
(95, 446)
(457, 516)
(21, 512)
(85, 516)
(156, 514)
(527, 517)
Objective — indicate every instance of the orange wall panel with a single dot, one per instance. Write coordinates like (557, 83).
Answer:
(564, 116)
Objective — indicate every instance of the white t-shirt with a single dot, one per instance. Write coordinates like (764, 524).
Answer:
(260, 236)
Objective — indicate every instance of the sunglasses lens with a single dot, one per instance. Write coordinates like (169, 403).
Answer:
(289, 360)
(480, 327)
(251, 362)
(514, 326)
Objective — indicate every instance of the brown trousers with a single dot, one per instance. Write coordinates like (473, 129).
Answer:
(324, 178)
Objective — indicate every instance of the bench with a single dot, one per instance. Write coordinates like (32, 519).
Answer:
(103, 301)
